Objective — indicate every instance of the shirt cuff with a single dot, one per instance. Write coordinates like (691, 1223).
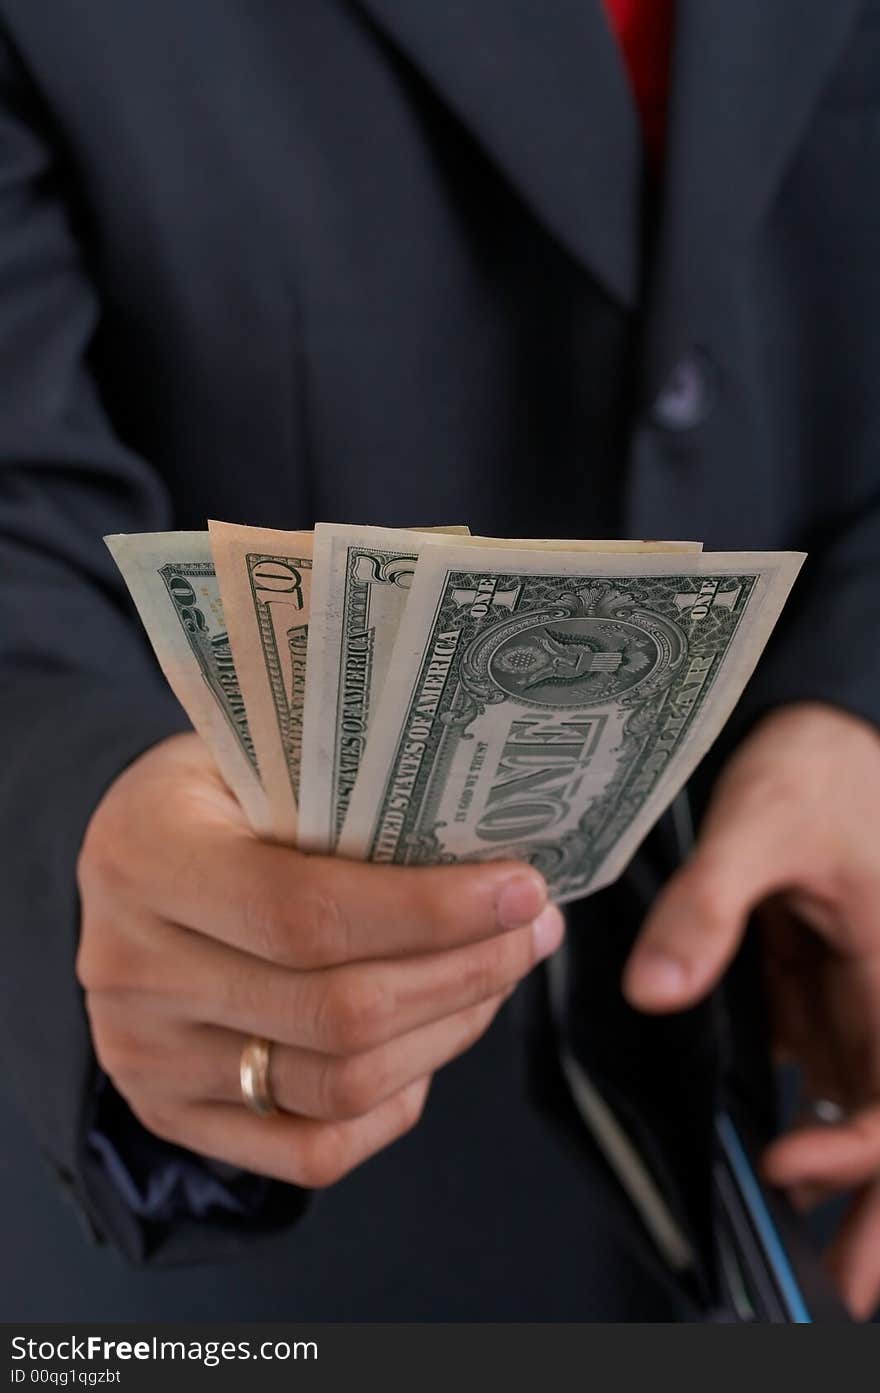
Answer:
(161, 1182)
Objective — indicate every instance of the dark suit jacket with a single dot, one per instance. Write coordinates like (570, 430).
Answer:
(398, 261)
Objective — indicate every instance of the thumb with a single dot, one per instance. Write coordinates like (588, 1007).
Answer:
(698, 920)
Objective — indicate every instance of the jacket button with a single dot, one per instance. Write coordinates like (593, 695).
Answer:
(689, 395)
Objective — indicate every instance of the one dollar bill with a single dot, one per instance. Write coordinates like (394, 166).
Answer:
(171, 578)
(265, 580)
(548, 706)
(361, 582)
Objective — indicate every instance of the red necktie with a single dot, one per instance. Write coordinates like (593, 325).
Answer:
(644, 32)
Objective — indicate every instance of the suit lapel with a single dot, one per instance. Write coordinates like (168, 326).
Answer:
(746, 75)
(542, 88)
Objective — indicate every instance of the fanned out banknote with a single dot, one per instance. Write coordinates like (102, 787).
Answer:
(549, 706)
(362, 579)
(172, 581)
(265, 579)
(421, 697)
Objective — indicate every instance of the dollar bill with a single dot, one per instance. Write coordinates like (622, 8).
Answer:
(548, 706)
(172, 581)
(265, 580)
(361, 582)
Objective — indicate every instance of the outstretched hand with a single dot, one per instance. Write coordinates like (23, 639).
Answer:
(366, 979)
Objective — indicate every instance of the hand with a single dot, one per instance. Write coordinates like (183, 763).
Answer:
(793, 830)
(196, 935)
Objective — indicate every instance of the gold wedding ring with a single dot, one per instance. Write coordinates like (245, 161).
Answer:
(254, 1074)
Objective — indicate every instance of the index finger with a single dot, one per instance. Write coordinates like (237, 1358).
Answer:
(307, 912)
(842, 1155)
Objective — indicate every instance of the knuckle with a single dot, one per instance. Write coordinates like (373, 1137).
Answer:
(123, 1055)
(107, 1050)
(351, 1087)
(411, 1106)
(324, 1162)
(481, 973)
(266, 924)
(104, 962)
(115, 960)
(429, 901)
(322, 931)
(305, 930)
(353, 1013)
(158, 1117)
(493, 966)
(242, 995)
(100, 866)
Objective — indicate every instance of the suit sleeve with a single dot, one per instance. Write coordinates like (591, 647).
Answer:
(80, 695)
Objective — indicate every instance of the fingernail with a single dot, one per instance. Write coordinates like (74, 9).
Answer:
(521, 900)
(654, 977)
(549, 931)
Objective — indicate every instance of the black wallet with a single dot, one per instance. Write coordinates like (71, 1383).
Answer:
(768, 1268)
